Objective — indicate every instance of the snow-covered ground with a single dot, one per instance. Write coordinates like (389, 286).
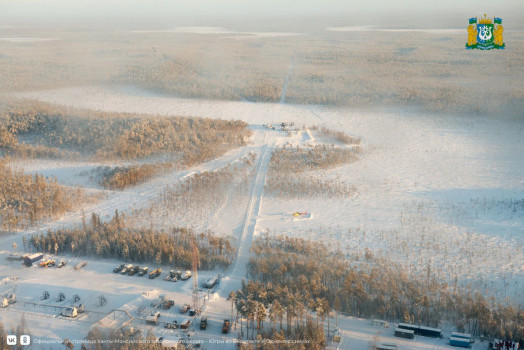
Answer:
(445, 190)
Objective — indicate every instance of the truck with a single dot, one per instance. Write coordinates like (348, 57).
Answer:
(153, 317)
(173, 276)
(119, 268)
(203, 323)
(225, 326)
(70, 312)
(30, 259)
(210, 283)
(133, 270)
(168, 303)
(154, 274)
(186, 275)
(47, 263)
(143, 271)
(126, 269)
(185, 308)
(185, 323)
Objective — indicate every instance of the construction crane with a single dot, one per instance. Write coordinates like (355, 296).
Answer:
(196, 301)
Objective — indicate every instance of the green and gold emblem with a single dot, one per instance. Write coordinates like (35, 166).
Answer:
(484, 35)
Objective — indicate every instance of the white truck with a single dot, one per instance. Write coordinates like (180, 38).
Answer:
(186, 275)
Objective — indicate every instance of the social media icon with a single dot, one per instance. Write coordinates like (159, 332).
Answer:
(11, 340)
(25, 340)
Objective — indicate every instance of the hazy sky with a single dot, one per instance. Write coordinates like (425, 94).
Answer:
(129, 9)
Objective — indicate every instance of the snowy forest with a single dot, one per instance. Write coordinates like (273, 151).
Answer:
(116, 241)
(27, 199)
(296, 277)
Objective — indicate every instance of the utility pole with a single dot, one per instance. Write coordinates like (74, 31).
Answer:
(196, 301)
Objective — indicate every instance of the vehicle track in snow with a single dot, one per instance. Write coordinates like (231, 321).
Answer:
(232, 281)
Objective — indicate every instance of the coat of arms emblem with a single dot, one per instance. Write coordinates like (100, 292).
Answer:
(483, 35)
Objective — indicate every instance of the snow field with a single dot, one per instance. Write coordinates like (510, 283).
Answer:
(438, 190)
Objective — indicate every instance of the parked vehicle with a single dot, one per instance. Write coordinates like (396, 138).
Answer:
(210, 283)
(29, 260)
(143, 271)
(61, 264)
(153, 318)
(119, 268)
(133, 270)
(47, 263)
(225, 326)
(172, 325)
(185, 323)
(8, 299)
(203, 323)
(155, 273)
(185, 308)
(167, 304)
(126, 269)
(186, 275)
(173, 276)
(386, 346)
(70, 312)
(80, 265)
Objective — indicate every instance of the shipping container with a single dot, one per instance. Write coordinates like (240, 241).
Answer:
(429, 332)
(29, 260)
(461, 335)
(409, 326)
(386, 346)
(461, 342)
(404, 333)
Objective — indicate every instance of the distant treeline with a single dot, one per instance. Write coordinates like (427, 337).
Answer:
(302, 275)
(299, 160)
(27, 199)
(35, 129)
(288, 178)
(116, 241)
(120, 177)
